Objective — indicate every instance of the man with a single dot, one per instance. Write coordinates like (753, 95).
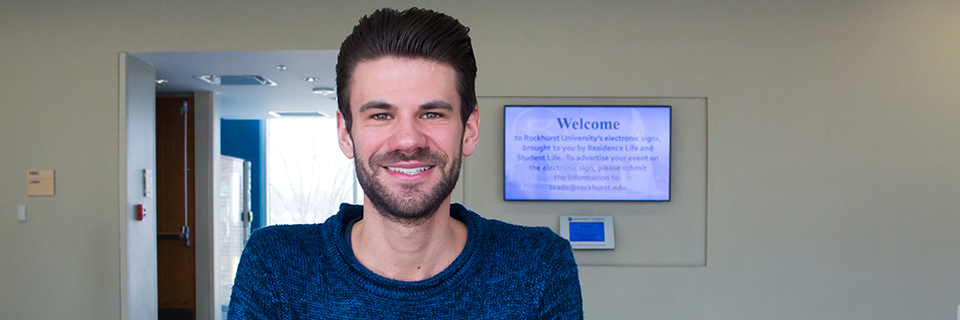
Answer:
(407, 113)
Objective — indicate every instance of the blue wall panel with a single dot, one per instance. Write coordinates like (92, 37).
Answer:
(244, 139)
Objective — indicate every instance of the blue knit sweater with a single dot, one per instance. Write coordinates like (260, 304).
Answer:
(309, 272)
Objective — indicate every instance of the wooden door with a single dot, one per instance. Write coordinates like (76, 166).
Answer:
(176, 262)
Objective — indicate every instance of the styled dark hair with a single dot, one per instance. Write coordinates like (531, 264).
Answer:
(412, 33)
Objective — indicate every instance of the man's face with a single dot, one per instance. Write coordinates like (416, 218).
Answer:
(407, 136)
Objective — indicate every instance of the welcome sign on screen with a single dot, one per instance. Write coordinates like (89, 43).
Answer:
(612, 153)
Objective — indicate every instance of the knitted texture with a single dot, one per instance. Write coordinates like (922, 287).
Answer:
(504, 272)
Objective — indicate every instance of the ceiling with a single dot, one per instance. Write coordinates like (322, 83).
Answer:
(291, 93)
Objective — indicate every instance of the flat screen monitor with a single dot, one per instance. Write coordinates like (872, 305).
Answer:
(586, 153)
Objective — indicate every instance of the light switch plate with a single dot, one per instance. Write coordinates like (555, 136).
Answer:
(148, 183)
(21, 213)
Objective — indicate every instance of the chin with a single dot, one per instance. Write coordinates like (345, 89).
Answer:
(410, 207)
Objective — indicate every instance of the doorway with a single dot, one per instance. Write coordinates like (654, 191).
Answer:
(176, 255)
(181, 70)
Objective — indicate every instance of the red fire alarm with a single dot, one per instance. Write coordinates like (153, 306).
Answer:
(141, 212)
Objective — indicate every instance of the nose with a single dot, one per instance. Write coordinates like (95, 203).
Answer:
(408, 136)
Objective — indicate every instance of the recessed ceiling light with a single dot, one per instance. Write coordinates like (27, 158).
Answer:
(210, 79)
(298, 114)
(161, 81)
(326, 92)
(310, 79)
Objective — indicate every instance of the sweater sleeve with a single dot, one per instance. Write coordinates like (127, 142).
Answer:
(253, 295)
(561, 296)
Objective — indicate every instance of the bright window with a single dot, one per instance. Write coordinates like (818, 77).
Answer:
(307, 174)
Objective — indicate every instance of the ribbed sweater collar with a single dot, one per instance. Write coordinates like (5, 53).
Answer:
(395, 289)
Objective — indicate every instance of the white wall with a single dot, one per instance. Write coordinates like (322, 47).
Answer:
(138, 238)
(833, 171)
(207, 165)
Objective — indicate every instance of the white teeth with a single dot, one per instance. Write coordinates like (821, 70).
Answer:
(411, 171)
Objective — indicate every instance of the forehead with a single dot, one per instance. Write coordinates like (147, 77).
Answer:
(402, 81)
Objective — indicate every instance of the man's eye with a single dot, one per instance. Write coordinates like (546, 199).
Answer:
(431, 115)
(380, 116)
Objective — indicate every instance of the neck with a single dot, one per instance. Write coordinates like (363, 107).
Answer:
(408, 252)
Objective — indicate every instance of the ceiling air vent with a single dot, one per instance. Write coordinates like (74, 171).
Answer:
(236, 80)
(300, 114)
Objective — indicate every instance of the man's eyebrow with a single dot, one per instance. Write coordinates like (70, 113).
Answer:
(376, 104)
(436, 104)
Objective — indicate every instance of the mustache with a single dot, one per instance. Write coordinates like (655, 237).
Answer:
(421, 154)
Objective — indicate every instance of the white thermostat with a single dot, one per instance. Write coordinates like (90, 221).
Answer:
(587, 232)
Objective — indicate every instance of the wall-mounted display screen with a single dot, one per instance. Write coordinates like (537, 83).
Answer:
(591, 153)
(586, 231)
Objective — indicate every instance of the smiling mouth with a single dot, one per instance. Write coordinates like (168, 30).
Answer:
(409, 171)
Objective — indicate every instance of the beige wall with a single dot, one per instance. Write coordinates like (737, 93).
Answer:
(833, 171)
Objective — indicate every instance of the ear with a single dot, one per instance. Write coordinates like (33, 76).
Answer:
(343, 137)
(471, 132)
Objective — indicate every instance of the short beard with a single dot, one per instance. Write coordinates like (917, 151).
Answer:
(407, 207)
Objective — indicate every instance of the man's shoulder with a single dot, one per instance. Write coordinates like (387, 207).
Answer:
(500, 231)
(524, 242)
(286, 239)
(281, 232)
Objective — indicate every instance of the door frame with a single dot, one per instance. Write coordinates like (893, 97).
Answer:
(135, 282)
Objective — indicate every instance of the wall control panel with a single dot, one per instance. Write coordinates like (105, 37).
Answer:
(588, 232)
